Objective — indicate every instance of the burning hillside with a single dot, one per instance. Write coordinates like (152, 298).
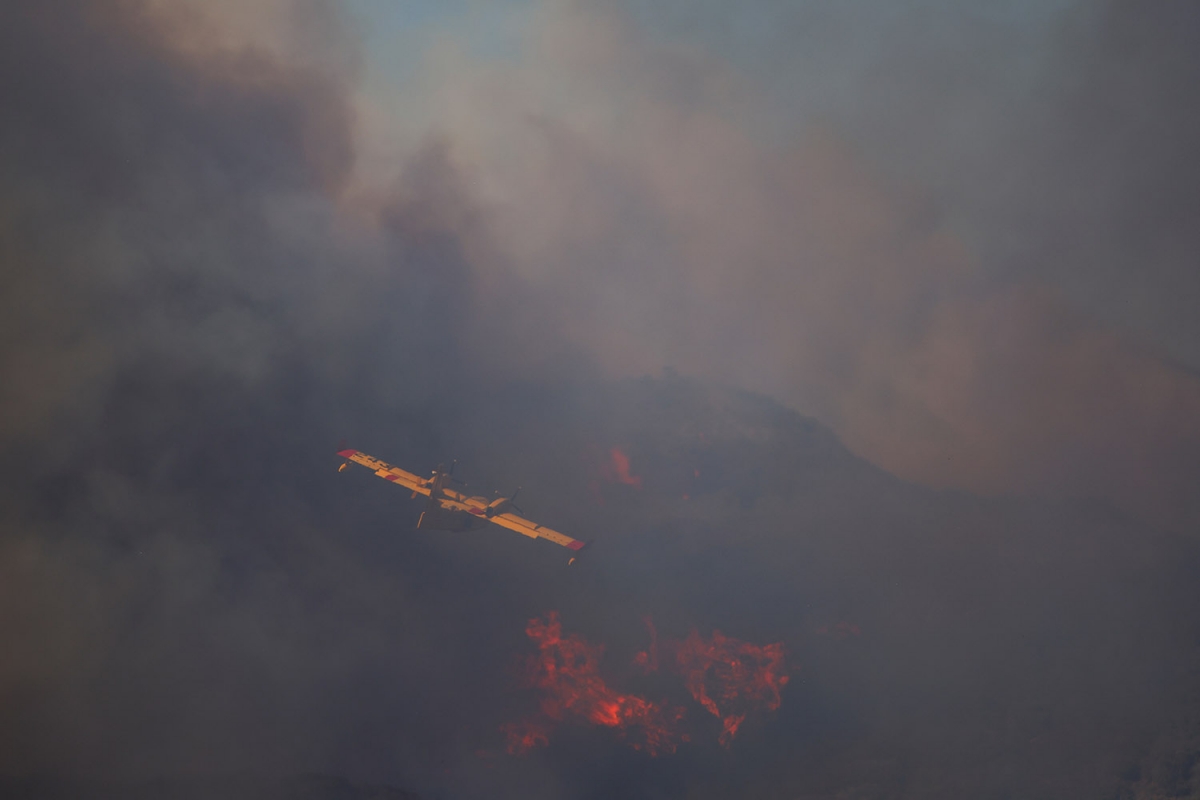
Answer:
(729, 678)
(566, 671)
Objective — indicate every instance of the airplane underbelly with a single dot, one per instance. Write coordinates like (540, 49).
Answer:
(441, 519)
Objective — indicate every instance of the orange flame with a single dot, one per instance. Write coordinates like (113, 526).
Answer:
(732, 674)
(611, 467)
(566, 669)
(729, 677)
(620, 469)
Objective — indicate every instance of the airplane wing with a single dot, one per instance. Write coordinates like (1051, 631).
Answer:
(460, 502)
(387, 471)
(535, 531)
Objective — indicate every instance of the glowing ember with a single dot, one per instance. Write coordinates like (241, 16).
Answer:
(525, 735)
(566, 670)
(648, 659)
(729, 728)
(729, 677)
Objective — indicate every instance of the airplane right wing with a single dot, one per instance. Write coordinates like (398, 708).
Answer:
(535, 531)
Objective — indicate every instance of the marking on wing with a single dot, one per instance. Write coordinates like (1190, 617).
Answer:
(386, 471)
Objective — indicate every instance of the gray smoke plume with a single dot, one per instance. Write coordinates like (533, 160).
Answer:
(920, 225)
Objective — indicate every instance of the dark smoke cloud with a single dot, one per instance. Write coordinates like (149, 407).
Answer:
(176, 284)
(201, 297)
(1113, 185)
(887, 234)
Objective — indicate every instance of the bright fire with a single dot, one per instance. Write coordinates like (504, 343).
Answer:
(730, 677)
(566, 670)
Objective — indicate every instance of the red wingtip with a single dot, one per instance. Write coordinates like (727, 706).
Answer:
(577, 545)
(347, 453)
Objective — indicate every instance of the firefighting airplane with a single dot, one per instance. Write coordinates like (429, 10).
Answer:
(448, 510)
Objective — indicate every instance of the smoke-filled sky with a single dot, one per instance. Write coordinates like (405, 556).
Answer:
(962, 235)
(889, 308)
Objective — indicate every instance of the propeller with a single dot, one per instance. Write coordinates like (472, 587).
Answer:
(448, 474)
(510, 499)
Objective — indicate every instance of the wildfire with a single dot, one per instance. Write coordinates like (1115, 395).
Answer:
(566, 670)
(620, 469)
(612, 467)
(729, 677)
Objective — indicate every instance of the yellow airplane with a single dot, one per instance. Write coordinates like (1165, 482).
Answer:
(448, 510)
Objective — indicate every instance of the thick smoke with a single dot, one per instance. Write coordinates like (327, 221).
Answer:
(179, 285)
(209, 280)
(912, 236)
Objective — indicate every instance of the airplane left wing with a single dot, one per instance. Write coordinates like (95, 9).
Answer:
(459, 502)
(387, 471)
